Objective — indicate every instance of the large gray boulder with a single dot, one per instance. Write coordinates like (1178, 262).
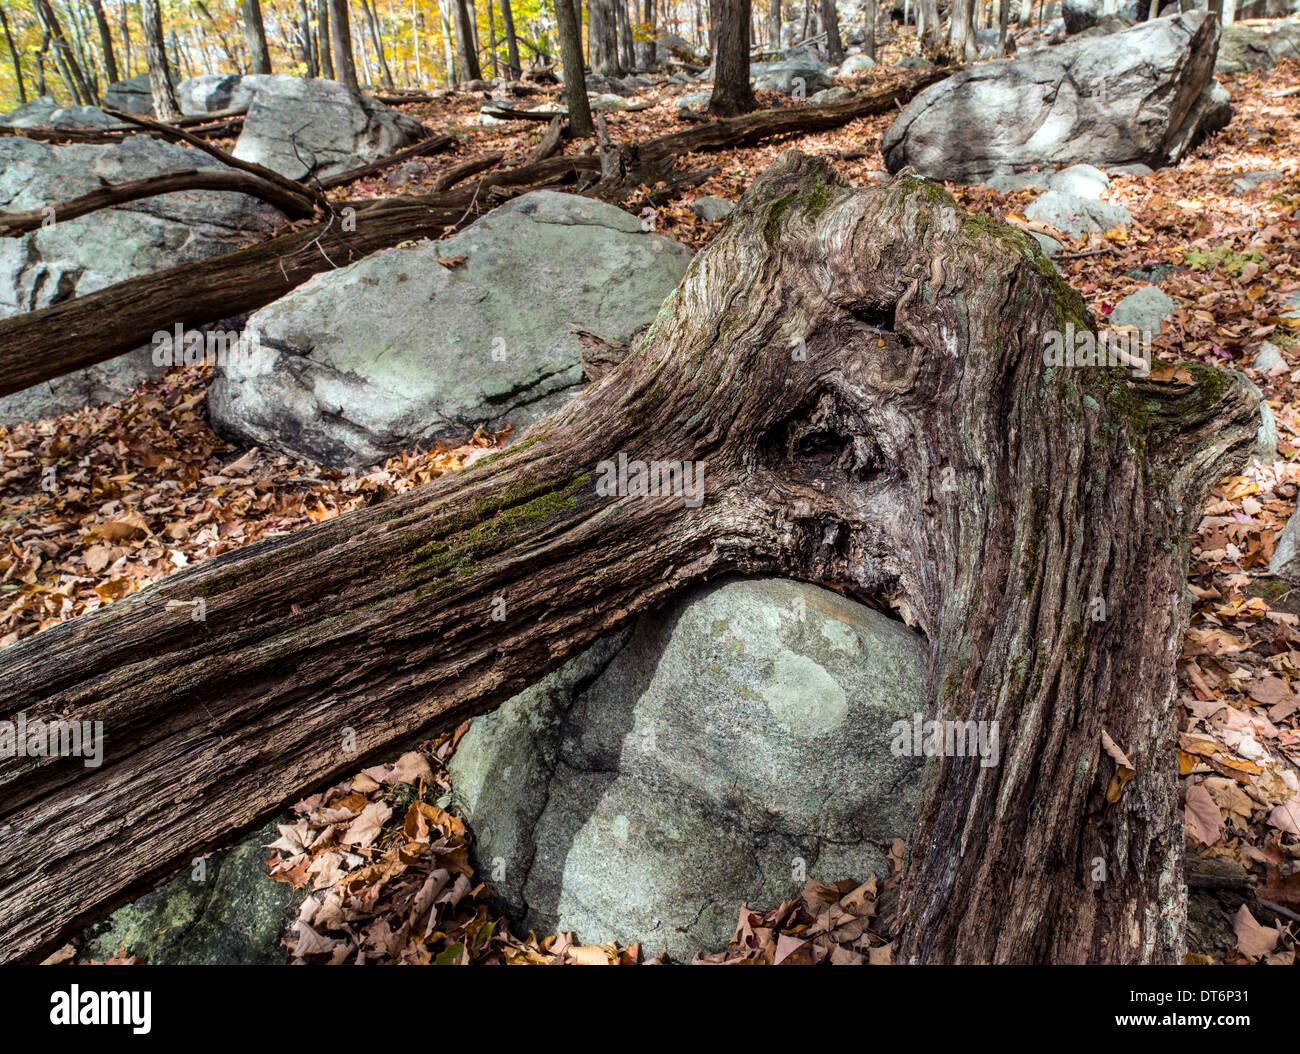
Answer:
(800, 75)
(1257, 47)
(211, 92)
(131, 95)
(44, 112)
(78, 256)
(398, 349)
(1080, 14)
(1143, 95)
(724, 748)
(313, 127)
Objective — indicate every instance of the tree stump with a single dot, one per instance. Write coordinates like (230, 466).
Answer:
(859, 375)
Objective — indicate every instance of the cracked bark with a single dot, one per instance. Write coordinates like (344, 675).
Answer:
(836, 358)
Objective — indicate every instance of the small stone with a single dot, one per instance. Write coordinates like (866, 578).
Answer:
(1077, 216)
(712, 209)
(1146, 309)
(1248, 181)
(1084, 181)
(1268, 360)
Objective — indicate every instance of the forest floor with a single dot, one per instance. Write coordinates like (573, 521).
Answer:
(145, 487)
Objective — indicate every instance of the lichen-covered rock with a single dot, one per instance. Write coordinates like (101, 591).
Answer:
(1146, 309)
(304, 127)
(712, 756)
(1077, 216)
(46, 113)
(397, 349)
(228, 912)
(1143, 95)
(211, 92)
(74, 257)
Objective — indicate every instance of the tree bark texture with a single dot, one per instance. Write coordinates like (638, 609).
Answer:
(861, 373)
(729, 38)
(259, 57)
(165, 106)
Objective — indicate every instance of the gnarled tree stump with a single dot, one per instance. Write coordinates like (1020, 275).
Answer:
(861, 373)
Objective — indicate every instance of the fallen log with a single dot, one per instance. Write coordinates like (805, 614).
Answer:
(761, 125)
(912, 451)
(215, 124)
(33, 346)
(176, 134)
(550, 142)
(13, 224)
(432, 145)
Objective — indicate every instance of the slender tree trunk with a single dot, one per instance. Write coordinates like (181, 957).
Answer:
(165, 106)
(729, 35)
(68, 66)
(831, 23)
(84, 53)
(646, 57)
(40, 62)
(105, 42)
(860, 375)
(512, 41)
(1004, 24)
(259, 57)
(602, 34)
(870, 11)
(575, 78)
(308, 40)
(466, 53)
(627, 54)
(341, 40)
(124, 25)
(931, 35)
(492, 39)
(448, 51)
(14, 57)
(324, 44)
(774, 25)
(377, 38)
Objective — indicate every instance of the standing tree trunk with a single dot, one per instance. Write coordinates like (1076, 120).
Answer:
(512, 41)
(345, 65)
(729, 35)
(862, 374)
(575, 77)
(961, 31)
(448, 50)
(831, 23)
(466, 52)
(602, 35)
(259, 58)
(14, 56)
(308, 39)
(930, 33)
(627, 54)
(774, 26)
(165, 106)
(105, 42)
(67, 61)
(324, 46)
(870, 12)
(377, 39)
(1004, 25)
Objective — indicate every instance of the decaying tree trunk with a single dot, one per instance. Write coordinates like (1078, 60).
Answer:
(860, 372)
